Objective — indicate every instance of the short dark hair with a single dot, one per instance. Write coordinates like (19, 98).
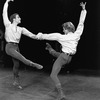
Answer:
(69, 26)
(13, 16)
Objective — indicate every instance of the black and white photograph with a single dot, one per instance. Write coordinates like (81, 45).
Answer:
(49, 50)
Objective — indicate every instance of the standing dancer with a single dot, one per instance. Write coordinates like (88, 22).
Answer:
(69, 42)
(12, 37)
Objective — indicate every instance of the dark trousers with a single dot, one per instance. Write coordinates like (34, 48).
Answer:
(61, 60)
(12, 50)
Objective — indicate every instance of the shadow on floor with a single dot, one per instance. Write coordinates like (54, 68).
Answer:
(37, 85)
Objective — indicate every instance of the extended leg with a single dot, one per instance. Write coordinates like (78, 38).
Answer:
(12, 51)
(52, 51)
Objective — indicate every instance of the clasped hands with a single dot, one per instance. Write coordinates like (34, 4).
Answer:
(39, 36)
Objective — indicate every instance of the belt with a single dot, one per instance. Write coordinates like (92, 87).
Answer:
(68, 54)
(14, 43)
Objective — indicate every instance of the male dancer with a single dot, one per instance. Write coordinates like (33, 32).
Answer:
(12, 36)
(69, 42)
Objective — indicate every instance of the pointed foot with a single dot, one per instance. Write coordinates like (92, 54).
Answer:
(38, 66)
(48, 46)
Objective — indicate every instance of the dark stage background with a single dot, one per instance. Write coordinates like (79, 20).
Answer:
(47, 16)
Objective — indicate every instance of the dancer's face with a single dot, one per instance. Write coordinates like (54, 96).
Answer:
(65, 31)
(18, 19)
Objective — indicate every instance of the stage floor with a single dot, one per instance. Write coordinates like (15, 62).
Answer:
(39, 86)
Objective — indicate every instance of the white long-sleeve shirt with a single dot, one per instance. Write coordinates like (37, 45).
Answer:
(13, 33)
(68, 41)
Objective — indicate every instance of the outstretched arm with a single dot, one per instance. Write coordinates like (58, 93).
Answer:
(80, 27)
(28, 33)
(5, 13)
(50, 36)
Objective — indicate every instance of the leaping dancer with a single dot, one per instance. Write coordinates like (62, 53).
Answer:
(69, 42)
(12, 36)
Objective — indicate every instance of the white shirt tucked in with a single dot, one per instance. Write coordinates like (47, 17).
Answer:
(68, 41)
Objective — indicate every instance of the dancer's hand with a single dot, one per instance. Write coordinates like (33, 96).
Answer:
(39, 35)
(10, 0)
(83, 5)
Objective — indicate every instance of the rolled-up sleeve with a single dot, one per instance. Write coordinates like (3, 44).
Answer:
(5, 15)
(80, 27)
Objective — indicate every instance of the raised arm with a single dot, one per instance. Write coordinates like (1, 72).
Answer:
(80, 27)
(28, 33)
(5, 13)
